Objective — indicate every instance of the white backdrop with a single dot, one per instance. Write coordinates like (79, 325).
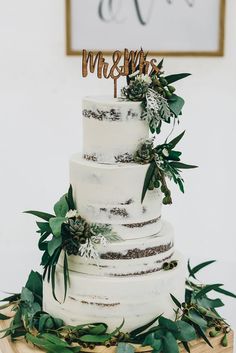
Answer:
(40, 103)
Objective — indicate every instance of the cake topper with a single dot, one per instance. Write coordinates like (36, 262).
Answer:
(123, 64)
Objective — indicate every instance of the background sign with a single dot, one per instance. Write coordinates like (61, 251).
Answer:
(162, 27)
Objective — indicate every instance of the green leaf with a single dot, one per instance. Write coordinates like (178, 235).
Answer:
(186, 347)
(148, 178)
(196, 318)
(35, 283)
(95, 338)
(117, 330)
(225, 292)
(180, 165)
(99, 329)
(170, 344)
(176, 104)
(201, 333)
(56, 224)
(177, 303)
(70, 199)
(54, 339)
(207, 289)
(196, 269)
(27, 296)
(61, 207)
(210, 303)
(66, 275)
(185, 331)
(43, 215)
(152, 341)
(4, 317)
(54, 244)
(125, 348)
(44, 227)
(176, 140)
(176, 77)
(143, 328)
(168, 324)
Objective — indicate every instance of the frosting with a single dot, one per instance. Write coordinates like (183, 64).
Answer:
(111, 194)
(138, 299)
(112, 129)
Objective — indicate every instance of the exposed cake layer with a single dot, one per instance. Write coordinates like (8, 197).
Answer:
(111, 194)
(137, 299)
(130, 257)
(112, 129)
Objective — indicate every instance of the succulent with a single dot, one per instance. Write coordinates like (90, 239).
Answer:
(145, 152)
(136, 90)
(79, 231)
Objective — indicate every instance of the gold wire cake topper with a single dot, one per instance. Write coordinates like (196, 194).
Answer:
(122, 64)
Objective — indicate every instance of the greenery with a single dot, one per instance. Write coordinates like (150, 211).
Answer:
(66, 233)
(196, 317)
(157, 94)
(164, 163)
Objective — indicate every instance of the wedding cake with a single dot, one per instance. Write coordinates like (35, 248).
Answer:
(128, 279)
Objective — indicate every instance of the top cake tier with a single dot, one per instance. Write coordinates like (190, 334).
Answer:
(112, 129)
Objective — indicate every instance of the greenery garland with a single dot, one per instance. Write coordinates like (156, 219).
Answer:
(196, 317)
(66, 233)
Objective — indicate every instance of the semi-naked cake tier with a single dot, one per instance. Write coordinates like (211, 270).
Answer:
(137, 299)
(129, 257)
(111, 194)
(112, 129)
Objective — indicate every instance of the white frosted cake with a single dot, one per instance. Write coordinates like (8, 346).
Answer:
(127, 281)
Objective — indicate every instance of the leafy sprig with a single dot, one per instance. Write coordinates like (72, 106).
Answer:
(155, 91)
(66, 233)
(164, 163)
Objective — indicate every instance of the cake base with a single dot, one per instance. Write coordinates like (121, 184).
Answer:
(197, 346)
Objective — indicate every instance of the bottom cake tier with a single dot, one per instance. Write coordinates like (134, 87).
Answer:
(136, 299)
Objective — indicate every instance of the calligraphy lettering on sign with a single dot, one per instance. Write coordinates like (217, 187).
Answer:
(122, 64)
(116, 10)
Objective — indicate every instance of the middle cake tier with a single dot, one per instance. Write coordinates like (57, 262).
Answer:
(111, 194)
(128, 257)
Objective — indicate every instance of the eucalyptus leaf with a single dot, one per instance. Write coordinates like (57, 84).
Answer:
(176, 77)
(143, 328)
(225, 292)
(197, 319)
(43, 215)
(207, 289)
(125, 348)
(185, 332)
(177, 303)
(170, 344)
(54, 244)
(95, 338)
(176, 140)
(35, 283)
(202, 334)
(61, 207)
(168, 324)
(176, 104)
(196, 269)
(27, 296)
(210, 303)
(148, 178)
(180, 165)
(99, 329)
(70, 199)
(56, 224)
(44, 227)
